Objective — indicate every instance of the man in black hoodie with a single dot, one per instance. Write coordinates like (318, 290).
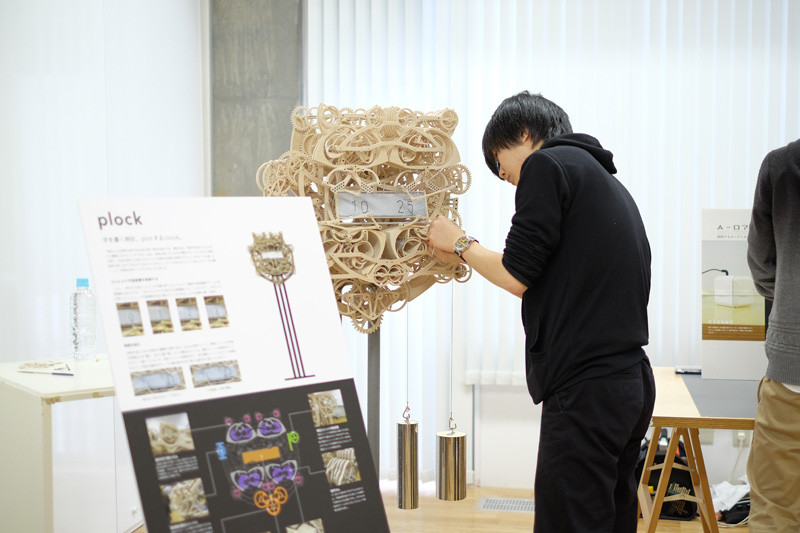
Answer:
(578, 256)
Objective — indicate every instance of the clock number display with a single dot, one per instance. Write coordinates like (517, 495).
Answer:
(380, 205)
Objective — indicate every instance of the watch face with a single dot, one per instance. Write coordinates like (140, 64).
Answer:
(377, 178)
(461, 245)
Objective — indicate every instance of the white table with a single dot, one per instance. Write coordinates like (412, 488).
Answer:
(26, 447)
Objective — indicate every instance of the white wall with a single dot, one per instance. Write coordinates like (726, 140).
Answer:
(507, 439)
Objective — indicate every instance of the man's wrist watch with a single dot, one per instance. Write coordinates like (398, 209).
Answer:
(462, 243)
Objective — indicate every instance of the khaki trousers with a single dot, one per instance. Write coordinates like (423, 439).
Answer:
(773, 467)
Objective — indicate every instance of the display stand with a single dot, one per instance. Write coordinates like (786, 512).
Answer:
(374, 395)
(237, 400)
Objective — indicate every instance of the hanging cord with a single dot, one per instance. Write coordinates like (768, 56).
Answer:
(407, 410)
(451, 423)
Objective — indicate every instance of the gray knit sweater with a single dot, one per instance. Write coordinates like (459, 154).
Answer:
(773, 253)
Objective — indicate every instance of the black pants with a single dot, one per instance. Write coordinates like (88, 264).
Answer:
(590, 438)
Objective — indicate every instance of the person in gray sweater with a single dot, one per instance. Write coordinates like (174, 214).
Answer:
(773, 254)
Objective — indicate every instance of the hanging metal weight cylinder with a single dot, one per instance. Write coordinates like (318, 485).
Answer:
(451, 465)
(407, 482)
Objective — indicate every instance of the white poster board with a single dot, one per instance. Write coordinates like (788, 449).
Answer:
(733, 313)
(230, 365)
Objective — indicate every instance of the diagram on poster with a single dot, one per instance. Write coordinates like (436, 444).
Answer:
(230, 367)
(273, 260)
(268, 461)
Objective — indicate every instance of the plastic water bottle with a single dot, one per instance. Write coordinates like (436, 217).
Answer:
(82, 320)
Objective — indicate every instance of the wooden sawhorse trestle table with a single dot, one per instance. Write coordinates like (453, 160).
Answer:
(676, 409)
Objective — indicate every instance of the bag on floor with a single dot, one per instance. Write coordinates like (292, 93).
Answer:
(680, 481)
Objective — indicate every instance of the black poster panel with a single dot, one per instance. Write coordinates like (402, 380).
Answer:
(279, 461)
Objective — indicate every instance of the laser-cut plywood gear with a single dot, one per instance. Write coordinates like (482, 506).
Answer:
(400, 169)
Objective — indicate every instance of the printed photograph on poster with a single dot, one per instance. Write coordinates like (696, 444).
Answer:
(327, 408)
(731, 307)
(206, 374)
(341, 467)
(130, 319)
(186, 500)
(188, 314)
(160, 317)
(159, 380)
(170, 434)
(312, 526)
(216, 312)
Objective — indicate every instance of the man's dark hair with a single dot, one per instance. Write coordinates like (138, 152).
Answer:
(534, 113)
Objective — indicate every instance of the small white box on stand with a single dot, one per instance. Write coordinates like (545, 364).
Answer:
(734, 291)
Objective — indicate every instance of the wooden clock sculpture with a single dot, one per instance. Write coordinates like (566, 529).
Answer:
(377, 177)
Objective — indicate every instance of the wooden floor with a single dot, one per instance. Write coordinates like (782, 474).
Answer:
(436, 516)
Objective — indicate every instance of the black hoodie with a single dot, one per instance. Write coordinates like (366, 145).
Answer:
(578, 243)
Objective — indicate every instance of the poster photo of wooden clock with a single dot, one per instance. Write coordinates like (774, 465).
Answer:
(274, 261)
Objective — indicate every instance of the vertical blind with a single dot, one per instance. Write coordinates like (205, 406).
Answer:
(689, 95)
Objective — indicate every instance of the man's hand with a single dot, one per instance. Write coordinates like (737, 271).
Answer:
(442, 236)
